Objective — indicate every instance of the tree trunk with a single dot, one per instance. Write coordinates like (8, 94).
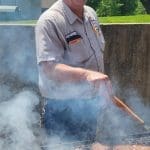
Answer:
(146, 4)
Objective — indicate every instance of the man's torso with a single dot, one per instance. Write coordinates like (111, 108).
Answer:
(82, 40)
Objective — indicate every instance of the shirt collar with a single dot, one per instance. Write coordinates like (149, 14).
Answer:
(72, 17)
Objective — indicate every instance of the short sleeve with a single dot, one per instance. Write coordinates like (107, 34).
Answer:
(48, 44)
(101, 38)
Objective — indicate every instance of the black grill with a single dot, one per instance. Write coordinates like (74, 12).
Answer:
(136, 139)
(141, 138)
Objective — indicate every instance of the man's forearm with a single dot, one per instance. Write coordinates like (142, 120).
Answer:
(64, 73)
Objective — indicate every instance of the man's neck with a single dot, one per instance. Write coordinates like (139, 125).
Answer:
(77, 10)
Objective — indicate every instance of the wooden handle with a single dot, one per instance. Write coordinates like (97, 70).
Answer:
(124, 107)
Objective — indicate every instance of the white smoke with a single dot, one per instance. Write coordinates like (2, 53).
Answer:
(19, 124)
(135, 100)
(17, 118)
(114, 125)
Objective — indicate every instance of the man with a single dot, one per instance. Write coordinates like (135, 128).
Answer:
(70, 48)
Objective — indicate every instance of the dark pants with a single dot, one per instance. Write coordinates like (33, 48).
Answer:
(76, 118)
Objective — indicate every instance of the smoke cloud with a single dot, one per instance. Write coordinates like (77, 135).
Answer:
(114, 125)
(19, 118)
(19, 124)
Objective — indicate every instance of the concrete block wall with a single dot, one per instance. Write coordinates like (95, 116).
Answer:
(127, 57)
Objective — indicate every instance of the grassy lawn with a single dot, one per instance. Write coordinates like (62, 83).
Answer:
(126, 19)
(20, 22)
(113, 19)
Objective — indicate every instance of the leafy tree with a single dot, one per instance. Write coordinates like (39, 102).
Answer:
(140, 8)
(146, 4)
(119, 7)
(93, 3)
(128, 7)
(109, 8)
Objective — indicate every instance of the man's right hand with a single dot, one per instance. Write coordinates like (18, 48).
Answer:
(100, 84)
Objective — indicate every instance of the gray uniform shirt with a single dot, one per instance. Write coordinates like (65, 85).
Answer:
(62, 37)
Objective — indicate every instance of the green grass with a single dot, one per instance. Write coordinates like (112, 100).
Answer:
(20, 22)
(103, 20)
(126, 19)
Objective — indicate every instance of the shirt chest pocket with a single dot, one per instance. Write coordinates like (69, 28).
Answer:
(77, 50)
